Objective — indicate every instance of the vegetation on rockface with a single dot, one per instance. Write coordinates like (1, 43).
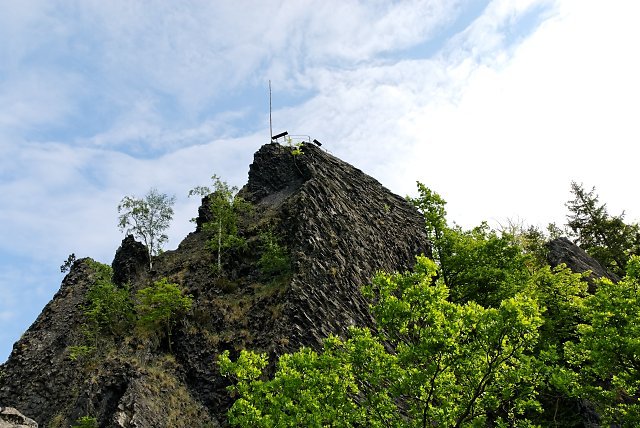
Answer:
(606, 238)
(296, 148)
(86, 422)
(111, 312)
(160, 306)
(274, 260)
(64, 267)
(108, 313)
(225, 207)
(147, 218)
(487, 335)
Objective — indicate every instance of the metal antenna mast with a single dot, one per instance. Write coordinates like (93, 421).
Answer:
(270, 122)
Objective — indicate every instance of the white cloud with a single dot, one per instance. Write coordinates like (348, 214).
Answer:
(498, 122)
(501, 130)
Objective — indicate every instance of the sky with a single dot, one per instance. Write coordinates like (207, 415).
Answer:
(495, 104)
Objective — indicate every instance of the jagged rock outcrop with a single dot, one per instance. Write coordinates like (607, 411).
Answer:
(131, 260)
(11, 418)
(38, 375)
(338, 226)
(562, 250)
(342, 227)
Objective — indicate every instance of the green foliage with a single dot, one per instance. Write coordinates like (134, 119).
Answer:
(561, 293)
(225, 207)
(110, 309)
(80, 352)
(465, 360)
(108, 312)
(147, 218)
(607, 239)
(530, 239)
(86, 422)
(431, 205)
(487, 335)
(484, 267)
(449, 364)
(66, 266)
(274, 260)
(296, 148)
(606, 358)
(477, 264)
(160, 306)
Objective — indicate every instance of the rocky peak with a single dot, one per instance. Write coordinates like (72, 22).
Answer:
(275, 169)
(341, 225)
(338, 226)
(131, 259)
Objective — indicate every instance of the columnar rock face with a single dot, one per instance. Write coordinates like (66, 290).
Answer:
(342, 226)
(562, 250)
(338, 226)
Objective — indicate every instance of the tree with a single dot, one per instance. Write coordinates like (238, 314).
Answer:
(161, 306)
(109, 309)
(431, 205)
(608, 239)
(606, 358)
(434, 363)
(147, 218)
(225, 206)
(66, 266)
(476, 264)
(274, 260)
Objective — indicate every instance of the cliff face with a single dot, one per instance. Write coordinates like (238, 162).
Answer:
(338, 225)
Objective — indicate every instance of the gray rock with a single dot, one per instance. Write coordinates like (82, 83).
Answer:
(11, 418)
(339, 227)
(562, 250)
(131, 260)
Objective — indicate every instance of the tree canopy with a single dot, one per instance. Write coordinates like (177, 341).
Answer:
(160, 306)
(486, 334)
(147, 218)
(606, 238)
(225, 207)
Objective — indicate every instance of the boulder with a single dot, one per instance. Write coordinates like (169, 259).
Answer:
(562, 250)
(11, 418)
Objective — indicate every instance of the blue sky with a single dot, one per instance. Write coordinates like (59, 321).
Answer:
(497, 105)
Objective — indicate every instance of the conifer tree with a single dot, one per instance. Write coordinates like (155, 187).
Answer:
(606, 238)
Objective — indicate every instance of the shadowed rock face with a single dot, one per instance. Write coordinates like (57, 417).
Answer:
(342, 226)
(338, 225)
(131, 260)
(562, 250)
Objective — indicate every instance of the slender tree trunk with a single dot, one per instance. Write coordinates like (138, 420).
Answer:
(219, 244)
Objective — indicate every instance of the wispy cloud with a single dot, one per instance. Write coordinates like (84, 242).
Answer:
(495, 104)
